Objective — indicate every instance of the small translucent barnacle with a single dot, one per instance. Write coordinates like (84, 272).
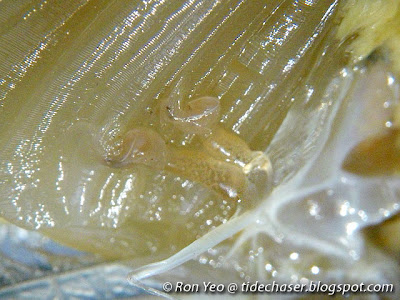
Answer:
(197, 116)
(222, 161)
(259, 173)
(140, 146)
(229, 147)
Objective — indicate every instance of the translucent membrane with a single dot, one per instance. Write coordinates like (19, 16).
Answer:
(309, 226)
(155, 130)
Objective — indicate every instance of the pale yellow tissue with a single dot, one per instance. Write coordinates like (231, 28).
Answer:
(394, 46)
(373, 24)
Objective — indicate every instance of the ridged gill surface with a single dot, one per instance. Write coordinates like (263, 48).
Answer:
(75, 76)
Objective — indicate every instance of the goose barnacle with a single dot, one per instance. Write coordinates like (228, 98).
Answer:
(222, 162)
(140, 146)
(198, 116)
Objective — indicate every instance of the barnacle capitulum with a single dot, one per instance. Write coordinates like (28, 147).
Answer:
(198, 116)
(140, 146)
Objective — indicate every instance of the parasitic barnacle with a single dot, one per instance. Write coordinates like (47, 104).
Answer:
(197, 116)
(140, 146)
(221, 161)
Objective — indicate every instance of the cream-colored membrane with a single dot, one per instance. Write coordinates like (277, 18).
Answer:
(375, 26)
(90, 74)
